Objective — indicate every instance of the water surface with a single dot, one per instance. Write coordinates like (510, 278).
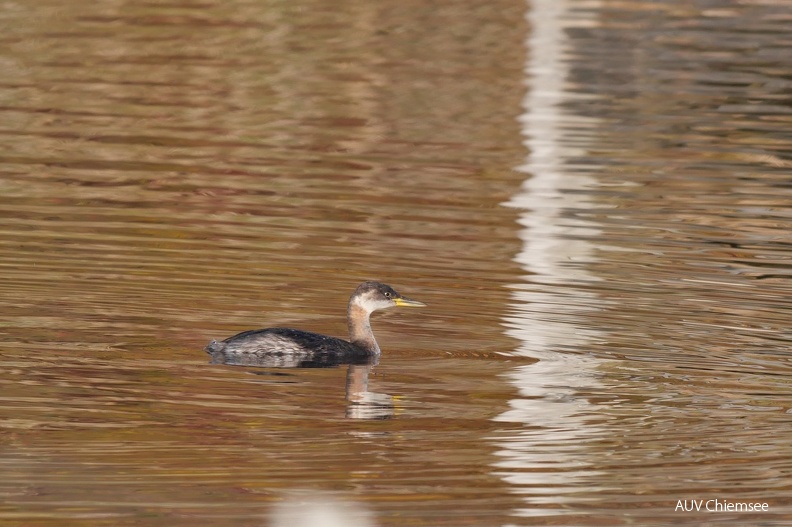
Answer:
(593, 200)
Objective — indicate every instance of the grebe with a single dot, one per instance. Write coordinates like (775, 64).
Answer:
(304, 345)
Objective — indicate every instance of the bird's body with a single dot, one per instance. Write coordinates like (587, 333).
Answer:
(296, 345)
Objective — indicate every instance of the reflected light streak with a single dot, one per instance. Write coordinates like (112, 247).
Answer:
(548, 459)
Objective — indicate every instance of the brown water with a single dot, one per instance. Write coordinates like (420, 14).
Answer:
(594, 200)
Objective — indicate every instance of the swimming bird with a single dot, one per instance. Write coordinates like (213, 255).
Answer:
(296, 346)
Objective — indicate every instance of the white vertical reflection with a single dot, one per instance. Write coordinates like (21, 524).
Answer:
(547, 461)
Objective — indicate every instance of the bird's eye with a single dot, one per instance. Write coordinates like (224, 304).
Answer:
(387, 294)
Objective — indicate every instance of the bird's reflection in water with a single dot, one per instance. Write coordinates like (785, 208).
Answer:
(361, 403)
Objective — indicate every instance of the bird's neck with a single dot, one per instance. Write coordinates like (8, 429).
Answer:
(360, 332)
